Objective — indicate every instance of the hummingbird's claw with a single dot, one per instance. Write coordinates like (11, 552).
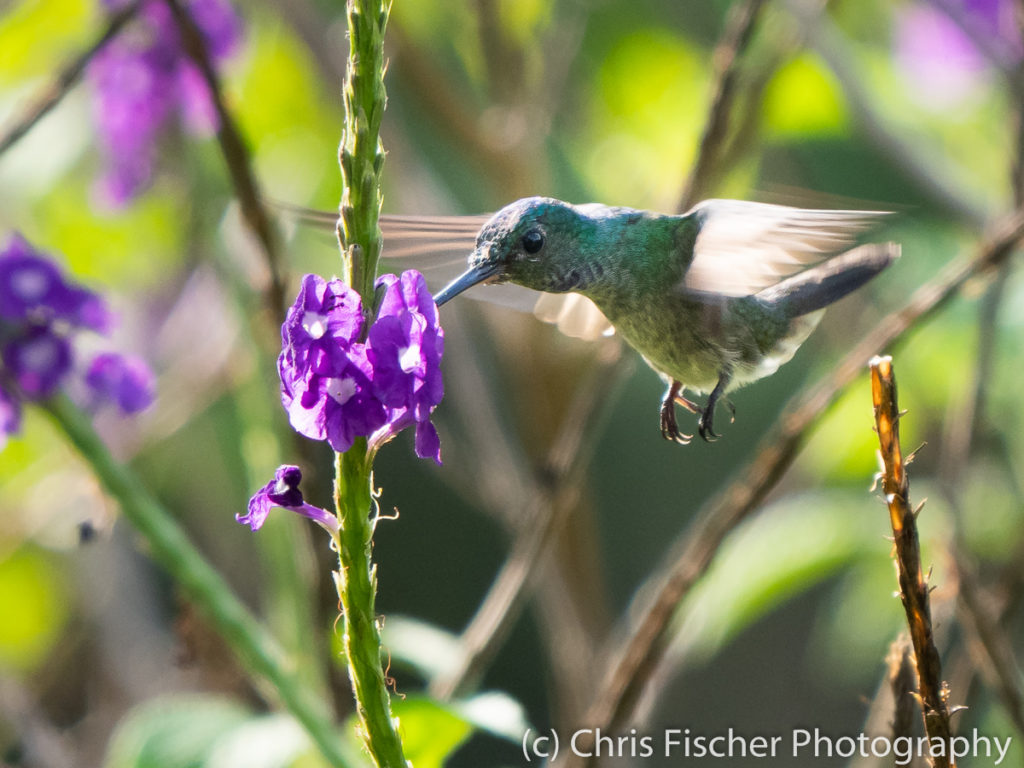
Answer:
(705, 428)
(705, 420)
(669, 427)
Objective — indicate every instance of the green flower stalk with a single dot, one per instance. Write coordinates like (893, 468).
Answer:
(361, 154)
(362, 159)
(360, 362)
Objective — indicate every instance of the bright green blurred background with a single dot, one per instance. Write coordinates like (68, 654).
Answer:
(490, 100)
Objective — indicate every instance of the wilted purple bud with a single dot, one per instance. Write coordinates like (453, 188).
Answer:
(37, 361)
(123, 380)
(283, 491)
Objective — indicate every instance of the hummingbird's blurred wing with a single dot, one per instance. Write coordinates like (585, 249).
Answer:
(438, 246)
(744, 247)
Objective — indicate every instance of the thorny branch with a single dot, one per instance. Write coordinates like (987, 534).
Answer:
(913, 585)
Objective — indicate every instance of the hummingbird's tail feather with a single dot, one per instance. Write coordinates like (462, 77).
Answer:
(819, 286)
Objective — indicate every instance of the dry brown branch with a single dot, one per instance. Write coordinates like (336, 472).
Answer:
(738, 32)
(891, 713)
(988, 644)
(237, 158)
(913, 585)
(901, 680)
(52, 95)
(633, 662)
(547, 510)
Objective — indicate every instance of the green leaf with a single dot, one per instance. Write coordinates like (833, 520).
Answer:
(173, 732)
(803, 99)
(272, 741)
(784, 551)
(430, 732)
(33, 607)
(428, 649)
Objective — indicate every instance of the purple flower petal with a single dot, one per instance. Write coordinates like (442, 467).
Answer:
(37, 361)
(10, 416)
(428, 444)
(124, 381)
(283, 491)
(29, 283)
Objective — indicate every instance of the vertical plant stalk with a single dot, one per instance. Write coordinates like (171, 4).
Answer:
(356, 581)
(913, 585)
(170, 547)
(362, 158)
(361, 154)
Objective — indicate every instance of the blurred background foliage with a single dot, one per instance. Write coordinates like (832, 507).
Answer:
(859, 104)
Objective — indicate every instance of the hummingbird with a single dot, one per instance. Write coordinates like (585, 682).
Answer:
(712, 299)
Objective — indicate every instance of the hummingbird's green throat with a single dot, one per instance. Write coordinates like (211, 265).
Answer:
(712, 299)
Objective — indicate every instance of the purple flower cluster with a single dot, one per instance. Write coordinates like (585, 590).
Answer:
(39, 313)
(143, 78)
(940, 60)
(336, 386)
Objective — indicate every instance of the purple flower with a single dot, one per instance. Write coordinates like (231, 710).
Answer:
(40, 315)
(143, 78)
(32, 288)
(283, 491)
(405, 347)
(940, 60)
(123, 380)
(37, 361)
(336, 387)
(325, 377)
(320, 327)
(10, 416)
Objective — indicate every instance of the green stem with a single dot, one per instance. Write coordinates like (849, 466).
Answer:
(169, 546)
(362, 158)
(361, 154)
(356, 580)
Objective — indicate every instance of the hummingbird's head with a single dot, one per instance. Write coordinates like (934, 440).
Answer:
(524, 243)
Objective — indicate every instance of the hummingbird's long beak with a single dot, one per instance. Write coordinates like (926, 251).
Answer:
(472, 276)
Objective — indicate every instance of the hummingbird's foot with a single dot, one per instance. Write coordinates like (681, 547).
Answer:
(705, 422)
(669, 428)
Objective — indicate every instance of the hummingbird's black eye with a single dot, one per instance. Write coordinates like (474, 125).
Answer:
(533, 241)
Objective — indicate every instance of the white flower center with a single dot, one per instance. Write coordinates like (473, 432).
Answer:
(39, 355)
(314, 324)
(29, 284)
(342, 389)
(409, 357)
